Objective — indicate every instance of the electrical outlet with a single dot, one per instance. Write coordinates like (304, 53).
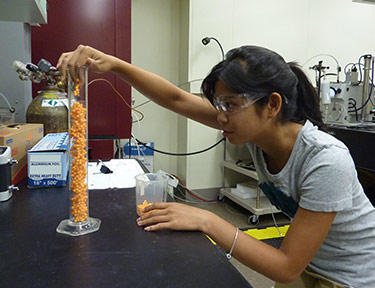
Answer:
(170, 191)
(172, 182)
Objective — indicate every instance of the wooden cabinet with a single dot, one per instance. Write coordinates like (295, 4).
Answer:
(106, 26)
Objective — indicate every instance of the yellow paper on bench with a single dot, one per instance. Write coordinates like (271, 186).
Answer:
(264, 233)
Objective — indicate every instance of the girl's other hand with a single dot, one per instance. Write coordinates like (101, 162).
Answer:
(174, 216)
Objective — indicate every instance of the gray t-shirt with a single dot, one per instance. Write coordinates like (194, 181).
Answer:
(320, 176)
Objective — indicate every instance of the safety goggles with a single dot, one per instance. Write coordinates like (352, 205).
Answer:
(236, 103)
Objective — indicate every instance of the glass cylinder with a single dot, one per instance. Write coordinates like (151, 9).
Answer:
(79, 222)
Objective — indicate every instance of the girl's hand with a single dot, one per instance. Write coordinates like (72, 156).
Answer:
(84, 56)
(174, 216)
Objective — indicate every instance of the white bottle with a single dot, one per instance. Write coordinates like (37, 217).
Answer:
(324, 92)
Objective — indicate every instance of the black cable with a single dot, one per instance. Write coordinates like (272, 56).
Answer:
(360, 70)
(117, 150)
(328, 74)
(182, 193)
(372, 85)
(178, 154)
(353, 106)
(346, 66)
(206, 40)
(186, 190)
(221, 47)
(360, 108)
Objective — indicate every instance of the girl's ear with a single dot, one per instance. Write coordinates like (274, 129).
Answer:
(274, 104)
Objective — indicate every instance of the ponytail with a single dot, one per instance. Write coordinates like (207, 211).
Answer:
(308, 102)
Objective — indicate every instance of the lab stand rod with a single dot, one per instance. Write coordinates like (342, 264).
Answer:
(365, 88)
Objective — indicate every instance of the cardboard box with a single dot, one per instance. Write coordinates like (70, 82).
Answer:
(142, 153)
(20, 138)
(48, 161)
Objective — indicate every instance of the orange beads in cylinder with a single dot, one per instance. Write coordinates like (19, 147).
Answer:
(78, 153)
(79, 222)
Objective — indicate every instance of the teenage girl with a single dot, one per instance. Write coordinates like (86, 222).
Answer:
(259, 100)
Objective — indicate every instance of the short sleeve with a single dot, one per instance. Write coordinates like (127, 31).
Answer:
(327, 180)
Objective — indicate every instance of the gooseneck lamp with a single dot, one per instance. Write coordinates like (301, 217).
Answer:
(206, 41)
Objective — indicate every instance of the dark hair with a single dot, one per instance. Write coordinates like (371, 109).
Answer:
(253, 69)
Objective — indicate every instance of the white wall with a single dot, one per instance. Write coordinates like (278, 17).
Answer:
(204, 170)
(155, 47)
(296, 29)
(15, 45)
(208, 19)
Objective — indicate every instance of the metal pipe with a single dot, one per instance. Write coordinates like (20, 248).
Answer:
(365, 88)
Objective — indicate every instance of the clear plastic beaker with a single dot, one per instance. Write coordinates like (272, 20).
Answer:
(150, 188)
(79, 222)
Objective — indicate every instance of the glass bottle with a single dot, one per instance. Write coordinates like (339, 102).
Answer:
(79, 222)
